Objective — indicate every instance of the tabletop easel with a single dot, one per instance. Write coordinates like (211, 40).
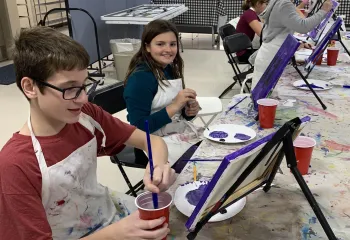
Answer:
(281, 144)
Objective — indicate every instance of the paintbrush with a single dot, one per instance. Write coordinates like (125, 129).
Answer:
(201, 160)
(194, 172)
(151, 166)
(337, 85)
(228, 110)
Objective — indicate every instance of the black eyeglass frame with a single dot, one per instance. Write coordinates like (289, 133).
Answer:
(64, 90)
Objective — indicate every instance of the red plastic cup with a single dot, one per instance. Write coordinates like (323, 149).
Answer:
(303, 11)
(319, 57)
(303, 147)
(332, 56)
(144, 203)
(267, 112)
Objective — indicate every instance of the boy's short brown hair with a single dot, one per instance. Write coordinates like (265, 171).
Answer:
(40, 52)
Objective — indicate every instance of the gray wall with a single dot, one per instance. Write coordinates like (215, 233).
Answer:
(82, 26)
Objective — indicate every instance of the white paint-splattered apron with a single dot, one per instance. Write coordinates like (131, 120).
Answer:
(75, 203)
(180, 134)
(266, 53)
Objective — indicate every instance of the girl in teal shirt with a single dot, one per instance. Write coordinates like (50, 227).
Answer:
(155, 90)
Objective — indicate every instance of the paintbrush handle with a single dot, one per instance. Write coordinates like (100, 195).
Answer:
(149, 146)
(150, 158)
(202, 160)
(236, 104)
(194, 172)
(155, 200)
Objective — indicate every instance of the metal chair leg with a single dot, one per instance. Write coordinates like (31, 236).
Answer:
(138, 187)
(227, 89)
(115, 160)
(211, 119)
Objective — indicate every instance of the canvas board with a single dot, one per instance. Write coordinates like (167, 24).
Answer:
(231, 168)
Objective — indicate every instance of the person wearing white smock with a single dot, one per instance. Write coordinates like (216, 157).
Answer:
(155, 91)
(48, 170)
(280, 19)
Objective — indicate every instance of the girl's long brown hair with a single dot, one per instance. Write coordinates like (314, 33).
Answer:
(152, 30)
(252, 3)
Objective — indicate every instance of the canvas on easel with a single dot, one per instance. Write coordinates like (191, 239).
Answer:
(248, 169)
(322, 45)
(317, 53)
(274, 71)
(317, 31)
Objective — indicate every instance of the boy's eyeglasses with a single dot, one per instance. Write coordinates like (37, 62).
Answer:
(74, 92)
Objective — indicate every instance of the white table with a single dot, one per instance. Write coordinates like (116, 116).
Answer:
(143, 14)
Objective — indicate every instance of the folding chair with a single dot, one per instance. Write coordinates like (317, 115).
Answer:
(229, 30)
(110, 98)
(226, 30)
(211, 106)
(233, 44)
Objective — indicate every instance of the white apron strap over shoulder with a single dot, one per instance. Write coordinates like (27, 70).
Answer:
(45, 179)
(91, 124)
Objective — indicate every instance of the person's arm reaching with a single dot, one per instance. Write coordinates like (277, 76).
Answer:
(163, 176)
(253, 21)
(292, 20)
(139, 93)
(256, 26)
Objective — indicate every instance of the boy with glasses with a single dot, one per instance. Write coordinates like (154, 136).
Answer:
(48, 183)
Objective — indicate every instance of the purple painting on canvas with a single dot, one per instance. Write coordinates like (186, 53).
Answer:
(221, 170)
(317, 31)
(322, 45)
(269, 79)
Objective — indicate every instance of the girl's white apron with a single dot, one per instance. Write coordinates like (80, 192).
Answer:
(180, 134)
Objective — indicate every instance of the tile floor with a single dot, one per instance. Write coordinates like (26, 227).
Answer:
(206, 71)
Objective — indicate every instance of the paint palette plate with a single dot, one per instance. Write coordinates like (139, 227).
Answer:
(229, 133)
(187, 197)
(317, 85)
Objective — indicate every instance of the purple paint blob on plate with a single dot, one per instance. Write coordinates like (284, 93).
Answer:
(242, 136)
(312, 85)
(195, 195)
(218, 134)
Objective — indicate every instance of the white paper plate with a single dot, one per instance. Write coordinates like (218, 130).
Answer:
(321, 85)
(186, 208)
(231, 130)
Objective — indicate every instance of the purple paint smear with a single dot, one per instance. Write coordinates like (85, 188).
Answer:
(218, 134)
(194, 196)
(242, 136)
(311, 85)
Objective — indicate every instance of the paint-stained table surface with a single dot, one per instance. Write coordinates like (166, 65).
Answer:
(283, 212)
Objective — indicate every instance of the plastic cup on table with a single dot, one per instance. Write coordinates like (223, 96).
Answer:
(303, 147)
(267, 112)
(144, 203)
(332, 56)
